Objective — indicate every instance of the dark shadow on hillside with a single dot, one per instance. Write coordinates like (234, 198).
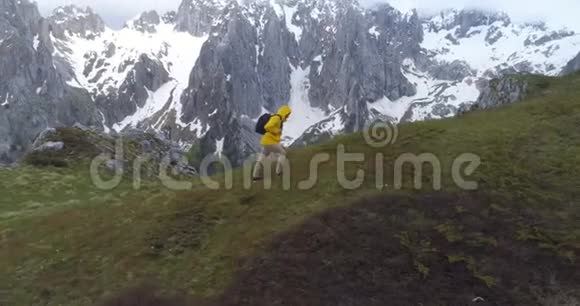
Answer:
(424, 250)
(150, 295)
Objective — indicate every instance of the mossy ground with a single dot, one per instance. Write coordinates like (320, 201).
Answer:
(64, 242)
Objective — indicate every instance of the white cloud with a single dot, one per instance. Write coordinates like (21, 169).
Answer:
(560, 13)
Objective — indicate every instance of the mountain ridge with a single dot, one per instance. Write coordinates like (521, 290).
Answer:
(203, 73)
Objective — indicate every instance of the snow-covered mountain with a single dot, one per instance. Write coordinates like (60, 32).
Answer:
(465, 48)
(203, 74)
(132, 73)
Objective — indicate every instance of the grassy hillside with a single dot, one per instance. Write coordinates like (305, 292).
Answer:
(516, 240)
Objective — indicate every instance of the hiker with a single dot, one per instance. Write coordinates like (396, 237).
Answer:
(271, 127)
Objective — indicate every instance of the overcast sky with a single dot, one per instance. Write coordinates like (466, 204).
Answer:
(556, 12)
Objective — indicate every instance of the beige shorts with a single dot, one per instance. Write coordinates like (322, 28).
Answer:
(273, 149)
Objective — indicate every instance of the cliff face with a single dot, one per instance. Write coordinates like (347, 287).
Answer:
(33, 95)
(314, 55)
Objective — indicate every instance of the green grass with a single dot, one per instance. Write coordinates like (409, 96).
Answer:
(64, 242)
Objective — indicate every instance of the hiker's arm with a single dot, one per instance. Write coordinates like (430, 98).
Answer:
(273, 125)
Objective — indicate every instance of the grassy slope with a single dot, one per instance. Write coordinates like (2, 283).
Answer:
(65, 243)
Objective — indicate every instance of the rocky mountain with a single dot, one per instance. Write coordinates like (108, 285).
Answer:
(33, 94)
(572, 66)
(203, 74)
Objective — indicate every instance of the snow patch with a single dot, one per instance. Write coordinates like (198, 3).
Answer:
(303, 114)
(393, 109)
(74, 83)
(219, 144)
(315, 14)
(198, 128)
(5, 103)
(289, 13)
(336, 124)
(333, 124)
(321, 65)
(35, 42)
(257, 57)
(156, 101)
(278, 9)
(104, 122)
(373, 31)
(432, 92)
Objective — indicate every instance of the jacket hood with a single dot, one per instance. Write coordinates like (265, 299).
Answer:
(285, 111)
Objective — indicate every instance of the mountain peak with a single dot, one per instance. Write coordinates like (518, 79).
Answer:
(64, 13)
(197, 16)
(169, 17)
(73, 20)
(146, 22)
(464, 20)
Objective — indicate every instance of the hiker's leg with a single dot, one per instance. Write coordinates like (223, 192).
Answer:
(259, 164)
(279, 149)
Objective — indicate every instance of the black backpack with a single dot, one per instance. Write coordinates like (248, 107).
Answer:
(262, 121)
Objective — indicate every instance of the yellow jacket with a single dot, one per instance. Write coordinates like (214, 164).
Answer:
(274, 126)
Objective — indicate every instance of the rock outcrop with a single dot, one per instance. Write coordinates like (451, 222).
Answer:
(65, 147)
(537, 40)
(454, 71)
(499, 92)
(572, 66)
